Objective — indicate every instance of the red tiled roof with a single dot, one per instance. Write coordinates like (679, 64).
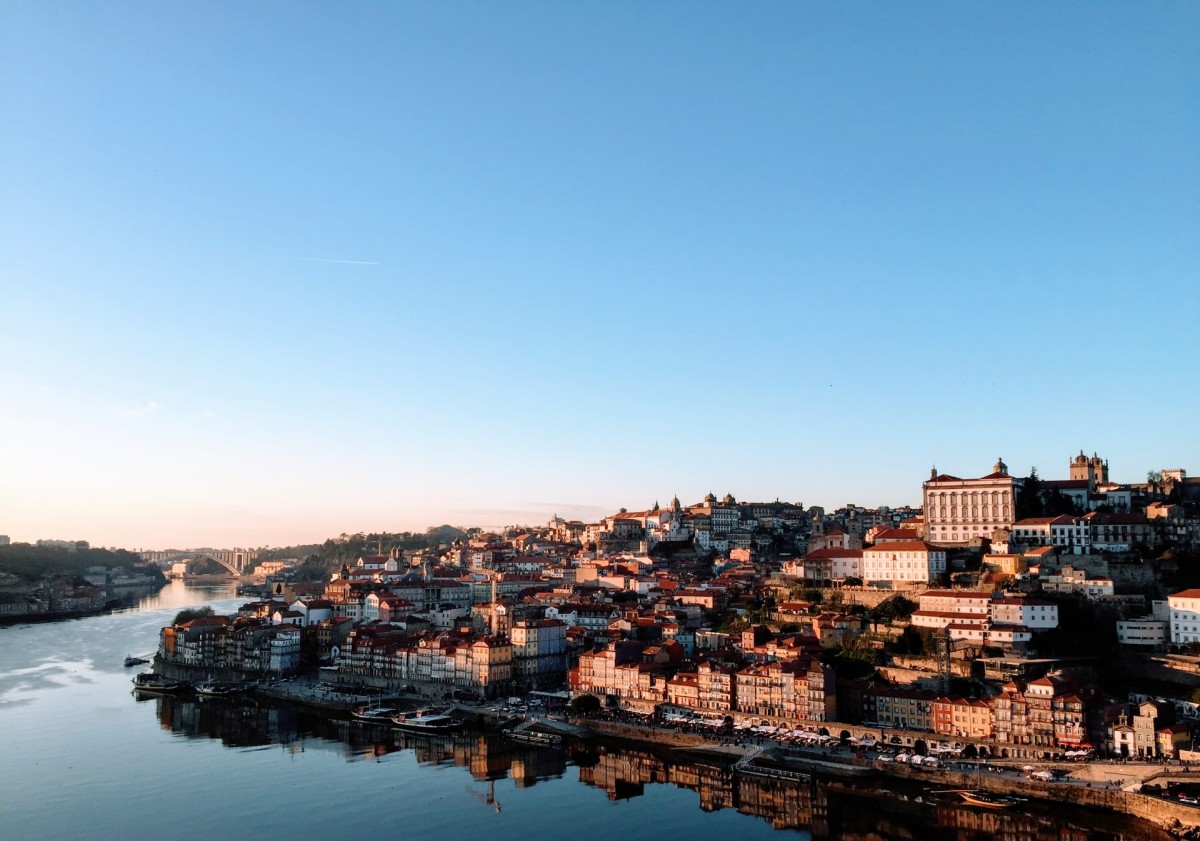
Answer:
(1061, 519)
(902, 546)
(958, 594)
(895, 534)
(833, 552)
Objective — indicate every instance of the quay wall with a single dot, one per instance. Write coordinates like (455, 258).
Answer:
(1164, 813)
(190, 674)
(636, 733)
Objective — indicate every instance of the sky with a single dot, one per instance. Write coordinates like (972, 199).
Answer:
(273, 272)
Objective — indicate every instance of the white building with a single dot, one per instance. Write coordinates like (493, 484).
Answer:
(967, 613)
(1185, 616)
(1070, 535)
(958, 511)
(1143, 631)
(285, 649)
(1035, 614)
(910, 562)
(1071, 580)
(832, 564)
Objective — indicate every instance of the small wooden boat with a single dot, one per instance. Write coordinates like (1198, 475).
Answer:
(987, 801)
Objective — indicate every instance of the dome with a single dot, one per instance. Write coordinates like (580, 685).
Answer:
(1000, 466)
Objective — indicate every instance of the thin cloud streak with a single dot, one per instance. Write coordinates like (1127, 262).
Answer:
(330, 260)
(141, 411)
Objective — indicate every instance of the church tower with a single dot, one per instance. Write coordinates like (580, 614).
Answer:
(1092, 470)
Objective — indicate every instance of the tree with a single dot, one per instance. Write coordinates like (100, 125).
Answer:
(916, 641)
(584, 705)
(190, 613)
(893, 607)
(1029, 501)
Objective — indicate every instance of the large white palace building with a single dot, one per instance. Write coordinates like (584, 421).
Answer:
(958, 511)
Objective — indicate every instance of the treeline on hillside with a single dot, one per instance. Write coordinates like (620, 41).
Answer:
(284, 553)
(320, 561)
(34, 562)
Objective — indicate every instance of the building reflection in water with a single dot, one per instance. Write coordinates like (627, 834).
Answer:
(827, 809)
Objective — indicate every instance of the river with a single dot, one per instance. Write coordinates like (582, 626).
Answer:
(81, 757)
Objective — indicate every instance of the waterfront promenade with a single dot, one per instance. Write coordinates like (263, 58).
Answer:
(1099, 784)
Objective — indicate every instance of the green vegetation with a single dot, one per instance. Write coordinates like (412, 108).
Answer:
(1085, 629)
(190, 613)
(854, 663)
(319, 560)
(916, 641)
(893, 607)
(1036, 500)
(33, 563)
(584, 705)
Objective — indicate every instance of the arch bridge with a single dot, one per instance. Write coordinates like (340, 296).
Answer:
(236, 562)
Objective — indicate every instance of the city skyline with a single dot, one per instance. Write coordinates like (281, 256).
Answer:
(536, 517)
(275, 273)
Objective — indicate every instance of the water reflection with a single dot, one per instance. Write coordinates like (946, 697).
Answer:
(827, 809)
(247, 723)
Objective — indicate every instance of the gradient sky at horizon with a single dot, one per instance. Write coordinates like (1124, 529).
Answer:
(272, 272)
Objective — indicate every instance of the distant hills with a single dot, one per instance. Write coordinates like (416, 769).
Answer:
(32, 563)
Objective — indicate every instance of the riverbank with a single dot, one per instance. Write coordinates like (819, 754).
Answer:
(1180, 819)
(47, 605)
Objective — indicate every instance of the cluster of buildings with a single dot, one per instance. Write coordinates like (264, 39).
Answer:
(71, 594)
(635, 608)
(20, 600)
(244, 645)
(985, 618)
(465, 663)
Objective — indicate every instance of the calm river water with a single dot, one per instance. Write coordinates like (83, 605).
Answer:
(81, 757)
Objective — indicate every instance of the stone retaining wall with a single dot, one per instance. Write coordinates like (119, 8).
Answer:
(1161, 812)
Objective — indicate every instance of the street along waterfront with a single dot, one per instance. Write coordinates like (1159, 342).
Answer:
(86, 758)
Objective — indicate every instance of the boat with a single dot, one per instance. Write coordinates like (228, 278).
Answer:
(135, 661)
(987, 801)
(378, 715)
(154, 682)
(217, 690)
(535, 737)
(426, 722)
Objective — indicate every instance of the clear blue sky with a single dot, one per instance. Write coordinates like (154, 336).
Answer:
(596, 254)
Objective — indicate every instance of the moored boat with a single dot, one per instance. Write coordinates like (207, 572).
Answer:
(154, 682)
(535, 737)
(987, 801)
(380, 715)
(135, 661)
(426, 723)
(217, 690)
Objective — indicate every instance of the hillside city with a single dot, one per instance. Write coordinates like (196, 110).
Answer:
(1007, 616)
